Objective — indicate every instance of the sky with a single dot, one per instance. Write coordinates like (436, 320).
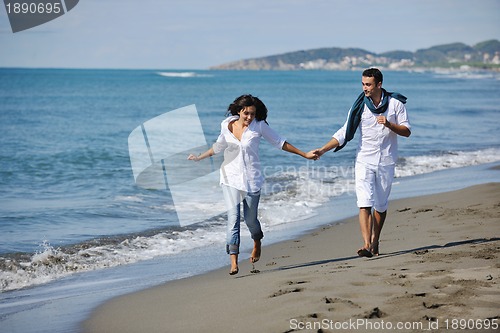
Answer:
(197, 34)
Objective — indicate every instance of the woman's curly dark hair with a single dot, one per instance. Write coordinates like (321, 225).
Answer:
(248, 100)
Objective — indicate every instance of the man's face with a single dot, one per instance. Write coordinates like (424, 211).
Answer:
(370, 88)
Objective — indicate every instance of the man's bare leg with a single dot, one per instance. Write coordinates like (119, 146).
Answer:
(378, 224)
(366, 225)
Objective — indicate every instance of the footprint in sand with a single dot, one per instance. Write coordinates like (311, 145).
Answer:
(375, 313)
(337, 300)
(288, 291)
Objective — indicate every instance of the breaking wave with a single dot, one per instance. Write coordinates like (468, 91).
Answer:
(183, 74)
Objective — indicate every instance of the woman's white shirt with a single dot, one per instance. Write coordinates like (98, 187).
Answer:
(241, 167)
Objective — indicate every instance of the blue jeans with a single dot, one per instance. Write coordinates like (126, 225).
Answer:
(233, 199)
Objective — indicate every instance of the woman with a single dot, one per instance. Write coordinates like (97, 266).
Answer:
(241, 176)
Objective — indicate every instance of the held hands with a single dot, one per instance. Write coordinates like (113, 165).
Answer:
(333, 143)
(318, 152)
(313, 154)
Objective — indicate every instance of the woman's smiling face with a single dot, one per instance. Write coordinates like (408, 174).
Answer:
(247, 114)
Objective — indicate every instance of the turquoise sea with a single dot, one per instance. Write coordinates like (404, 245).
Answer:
(75, 229)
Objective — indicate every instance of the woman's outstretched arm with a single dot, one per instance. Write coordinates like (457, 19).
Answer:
(204, 155)
(292, 149)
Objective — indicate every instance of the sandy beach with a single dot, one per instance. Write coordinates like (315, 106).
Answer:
(438, 270)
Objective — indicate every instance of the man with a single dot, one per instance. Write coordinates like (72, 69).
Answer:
(380, 116)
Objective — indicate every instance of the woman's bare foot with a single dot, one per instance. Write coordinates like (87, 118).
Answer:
(234, 264)
(256, 251)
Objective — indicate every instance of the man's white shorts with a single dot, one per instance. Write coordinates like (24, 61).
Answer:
(373, 185)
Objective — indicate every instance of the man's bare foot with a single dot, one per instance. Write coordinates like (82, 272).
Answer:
(365, 253)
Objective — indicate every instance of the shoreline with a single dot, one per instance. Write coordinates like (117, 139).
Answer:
(438, 262)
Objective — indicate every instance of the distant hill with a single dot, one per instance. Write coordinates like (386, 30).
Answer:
(484, 55)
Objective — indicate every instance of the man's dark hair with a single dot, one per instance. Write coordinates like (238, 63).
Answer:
(374, 72)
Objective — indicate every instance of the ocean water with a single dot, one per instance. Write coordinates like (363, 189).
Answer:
(75, 229)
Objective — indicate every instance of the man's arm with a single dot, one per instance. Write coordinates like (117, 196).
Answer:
(333, 143)
(398, 129)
